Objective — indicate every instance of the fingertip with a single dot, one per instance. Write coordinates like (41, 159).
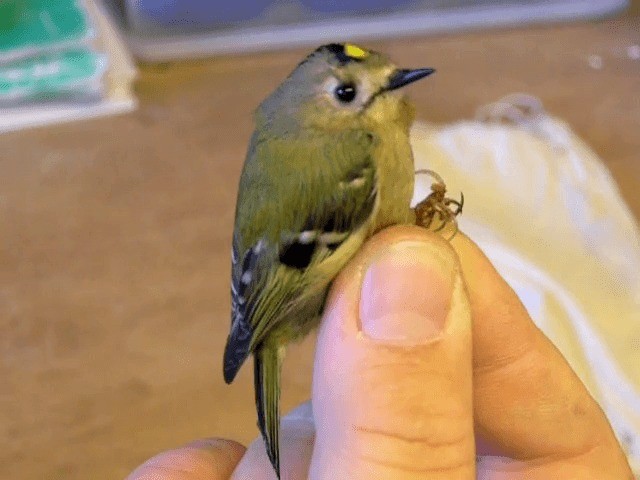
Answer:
(204, 459)
(403, 270)
(213, 445)
(406, 293)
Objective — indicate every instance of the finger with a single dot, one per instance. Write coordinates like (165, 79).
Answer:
(207, 459)
(528, 402)
(296, 444)
(392, 377)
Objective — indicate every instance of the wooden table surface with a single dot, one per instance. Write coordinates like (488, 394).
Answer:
(115, 234)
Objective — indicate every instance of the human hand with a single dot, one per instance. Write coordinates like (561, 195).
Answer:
(406, 386)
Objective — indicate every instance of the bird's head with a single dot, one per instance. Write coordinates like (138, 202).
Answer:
(341, 86)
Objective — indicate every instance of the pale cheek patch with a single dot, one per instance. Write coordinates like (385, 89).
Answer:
(387, 71)
(381, 77)
(329, 86)
(366, 90)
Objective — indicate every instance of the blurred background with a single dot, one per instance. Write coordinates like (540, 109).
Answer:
(123, 128)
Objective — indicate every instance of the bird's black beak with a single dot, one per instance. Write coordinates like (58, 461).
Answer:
(402, 77)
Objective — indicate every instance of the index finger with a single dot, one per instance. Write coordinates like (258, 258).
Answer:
(528, 402)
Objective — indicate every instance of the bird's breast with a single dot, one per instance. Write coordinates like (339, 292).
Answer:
(395, 176)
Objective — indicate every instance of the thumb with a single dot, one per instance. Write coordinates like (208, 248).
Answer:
(392, 378)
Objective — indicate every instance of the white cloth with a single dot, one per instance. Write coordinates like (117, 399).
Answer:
(548, 214)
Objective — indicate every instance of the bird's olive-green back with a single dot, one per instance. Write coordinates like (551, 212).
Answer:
(289, 179)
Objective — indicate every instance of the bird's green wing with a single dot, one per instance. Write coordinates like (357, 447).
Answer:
(299, 200)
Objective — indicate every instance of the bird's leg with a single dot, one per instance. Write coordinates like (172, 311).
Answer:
(437, 203)
(444, 215)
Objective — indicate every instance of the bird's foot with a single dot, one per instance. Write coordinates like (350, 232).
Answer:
(437, 212)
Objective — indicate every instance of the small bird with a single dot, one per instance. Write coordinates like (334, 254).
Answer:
(328, 165)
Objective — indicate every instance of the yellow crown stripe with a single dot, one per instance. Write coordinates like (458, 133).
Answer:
(354, 51)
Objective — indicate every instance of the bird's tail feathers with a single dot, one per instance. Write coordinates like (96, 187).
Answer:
(267, 367)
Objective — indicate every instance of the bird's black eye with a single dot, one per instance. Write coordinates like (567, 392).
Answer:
(345, 92)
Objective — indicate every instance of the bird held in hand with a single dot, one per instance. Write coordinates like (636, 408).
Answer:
(328, 165)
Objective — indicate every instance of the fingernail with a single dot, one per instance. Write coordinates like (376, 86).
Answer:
(406, 293)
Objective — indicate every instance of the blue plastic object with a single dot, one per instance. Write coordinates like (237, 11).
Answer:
(354, 6)
(196, 13)
(161, 30)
